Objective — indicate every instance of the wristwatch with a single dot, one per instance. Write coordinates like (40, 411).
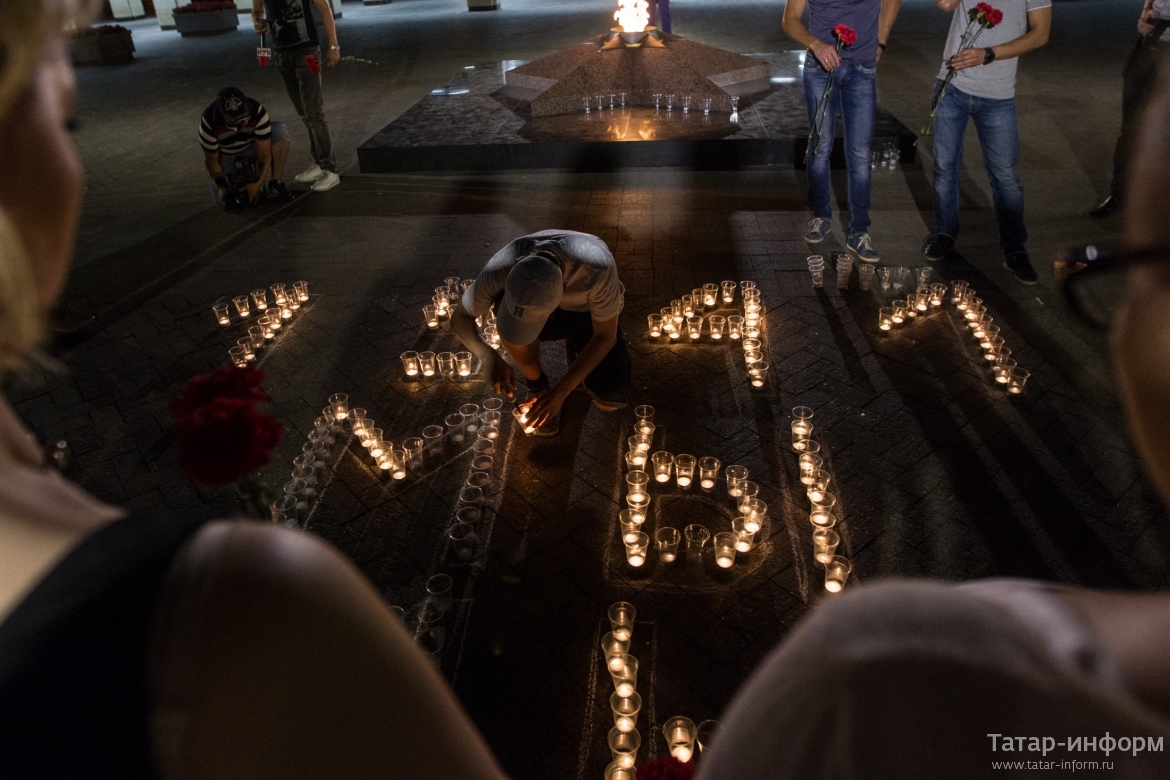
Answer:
(988, 56)
(334, 48)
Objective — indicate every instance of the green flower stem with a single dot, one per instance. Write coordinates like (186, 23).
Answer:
(964, 43)
(819, 114)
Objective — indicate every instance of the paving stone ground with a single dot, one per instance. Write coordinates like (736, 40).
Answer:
(938, 472)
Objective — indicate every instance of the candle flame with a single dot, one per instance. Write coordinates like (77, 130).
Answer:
(632, 15)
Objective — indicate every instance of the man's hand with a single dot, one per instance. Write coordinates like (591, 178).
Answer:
(260, 25)
(826, 54)
(503, 378)
(967, 58)
(253, 190)
(1144, 25)
(545, 405)
(332, 57)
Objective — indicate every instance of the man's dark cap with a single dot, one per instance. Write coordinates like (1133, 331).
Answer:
(234, 105)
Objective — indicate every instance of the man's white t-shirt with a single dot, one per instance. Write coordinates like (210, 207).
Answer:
(589, 271)
(997, 80)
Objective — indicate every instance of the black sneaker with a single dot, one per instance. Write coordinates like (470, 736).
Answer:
(278, 192)
(1021, 268)
(936, 246)
(1105, 208)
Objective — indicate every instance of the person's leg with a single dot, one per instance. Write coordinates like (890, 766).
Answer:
(950, 124)
(609, 382)
(313, 101)
(995, 124)
(280, 144)
(286, 65)
(1138, 80)
(664, 15)
(858, 87)
(817, 164)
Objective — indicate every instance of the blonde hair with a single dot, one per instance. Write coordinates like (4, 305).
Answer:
(26, 28)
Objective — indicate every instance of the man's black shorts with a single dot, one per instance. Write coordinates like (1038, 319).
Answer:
(609, 382)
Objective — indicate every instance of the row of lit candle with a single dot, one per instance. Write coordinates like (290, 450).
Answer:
(473, 495)
(446, 364)
(817, 480)
(283, 299)
(995, 352)
(625, 703)
(446, 296)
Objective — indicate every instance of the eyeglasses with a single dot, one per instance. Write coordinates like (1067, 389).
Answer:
(1093, 278)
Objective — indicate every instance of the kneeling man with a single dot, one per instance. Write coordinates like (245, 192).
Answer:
(552, 285)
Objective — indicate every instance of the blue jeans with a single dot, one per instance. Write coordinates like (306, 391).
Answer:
(995, 124)
(855, 95)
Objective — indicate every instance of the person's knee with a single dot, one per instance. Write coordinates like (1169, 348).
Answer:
(607, 406)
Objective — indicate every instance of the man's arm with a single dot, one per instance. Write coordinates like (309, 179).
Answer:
(332, 57)
(1039, 25)
(886, 17)
(211, 163)
(826, 53)
(1144, 26)
(500, 374)
(259, 17)
(549, 402)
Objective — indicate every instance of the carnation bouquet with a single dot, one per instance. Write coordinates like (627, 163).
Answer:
(846, 36)
(222, 437)
(981, 17)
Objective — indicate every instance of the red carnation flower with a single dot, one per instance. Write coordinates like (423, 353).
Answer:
(994, 17)
(845, 34)
(983, 8)
(667, 768)
(314, 65)
(221, 435)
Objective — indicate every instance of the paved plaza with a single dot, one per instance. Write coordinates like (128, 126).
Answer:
(937, 471)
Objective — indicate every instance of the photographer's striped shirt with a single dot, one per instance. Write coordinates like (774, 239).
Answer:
(217, 135)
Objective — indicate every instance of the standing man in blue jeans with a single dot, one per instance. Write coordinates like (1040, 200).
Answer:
(854, 71)
(297, 52)
(984, 89)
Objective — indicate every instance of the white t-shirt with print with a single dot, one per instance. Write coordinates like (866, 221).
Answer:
(997, 80)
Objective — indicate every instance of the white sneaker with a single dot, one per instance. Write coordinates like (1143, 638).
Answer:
(312, 174)
(328, 181)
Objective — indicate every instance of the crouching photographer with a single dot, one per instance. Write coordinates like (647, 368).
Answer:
(241, 147)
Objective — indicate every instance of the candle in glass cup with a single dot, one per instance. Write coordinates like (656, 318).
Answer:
(249, 350)
(1017, 378)
(369, 435)
(446, 362)
(410, 363)
(758, 374)
(441, 299)
(885, 318)
(645, 419)
(463, 364)
(826, 504)
(265, 322)
(639, 504)
(637, 483)
(279, 294)
(615, 649)
(414, 452)
(688, 306)
(456, 427)
(748, 285)
(747, 491)
(745, 537)
(837, 571)
(710, 294)
(482, 463)
(724, 543)
(697, 299)
(752, 345)
(899, 315)
(680, 737)
(260, 299)
(825, 541)
(663, 465)
(640, 442)
(238, 355)
(989, 332)
(937, 292)
(654, 323)
(624, 747)
(256, 333)
(809, 463)
(751, 357)
(708, 473)
(637, 548)
(433, 436)
(1003, 369)
(339, 404)
(431, 315)
(818, 485)
(822, 518)
(735, 327)
(621, 619)
(697, 536)
(222, 314)
(470, 414)
(301, 291)
(736, 477)
(625, 711)
(426, 363)
(716, 323)
(667, 541)
(684, 470)
(694, 328)
(728, 289)
(751, 331)
(922, 301)
(242, 307)
(801, 433)
(754, 511)
(635, 460)
(995, 350)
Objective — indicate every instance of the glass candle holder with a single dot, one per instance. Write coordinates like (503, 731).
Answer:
(922, 301)
(724, 544)
(490, 418)
(825, 541)
(410, 363)
(414, 452)
(886, 318)
(433, 437)
(463, 538)
(688, 306)
(625, 711)
(663, 463)
(256, 333)
(752, 345)
(615, 649)
(635, 460)
(751, 331)
(379, 447)
(697, 536)
(640, 442)
(697, 300)
(644, 415)
(899, 315)
(442, 299)
(817, 272)
(1017, 378)
(470, 414)
(758, 374)
(637, 548)
(397, 459)
(837, 571)
(238, 355)
(426, 363)
(463, 364)
(937, 294)
(809, 463)
(801, 433)
(654, 325)
(827, 503)
(482, 463)
(1003, 370)
(446, 362)
(301, 291)
(708, 473)
(470, 515)
(667, 540)
(265, 322)
(279, 294)
(754, 511)
(438, 598)
(493, 403)
(339, 405)
(222, 314)
(680, 737)
(994, 350)
(684, 470)
(284, 511)
(958, 290)
(624, 747)
(639, 504)
(818, 485)
(989, 332)
(728, 291)
(637, 483)
(747, 491)
(694, 328)
(456, 427)
(750, 285)
(752, 356)
(249, 350)
(745, 536)
(431, 316)
(736, 477)
(470, 496)
(735, 327)
(369, 435)
(710, 294)
(483, 446)
(260, 299)
(298, 490)
(822, 518)
(716, 325)
(492, 336)
(621, 619)
(286, 311)
(242, 305)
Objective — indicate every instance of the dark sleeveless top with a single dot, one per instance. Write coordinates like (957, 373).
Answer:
(73, 693)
